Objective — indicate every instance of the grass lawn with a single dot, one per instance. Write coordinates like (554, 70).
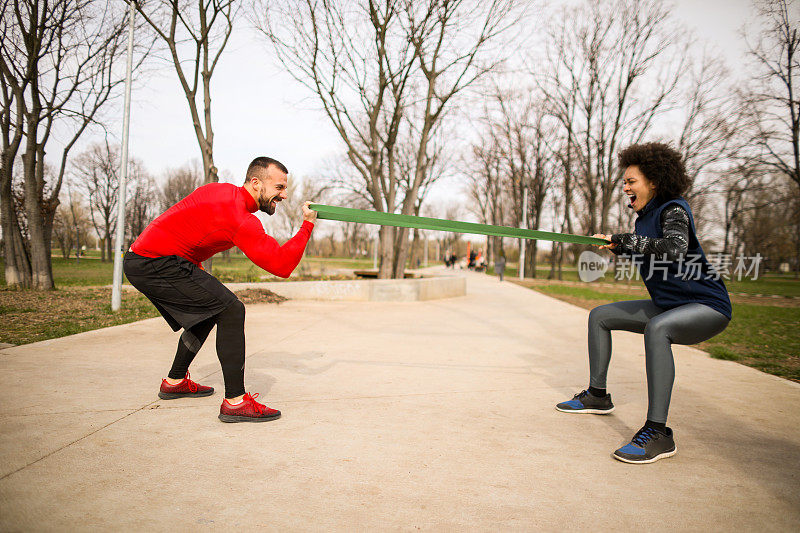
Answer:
(766, 337)
(31, 316)
(82, 299)
(91, 272)
(766, 284)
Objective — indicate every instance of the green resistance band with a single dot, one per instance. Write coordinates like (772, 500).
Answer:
(346, 214)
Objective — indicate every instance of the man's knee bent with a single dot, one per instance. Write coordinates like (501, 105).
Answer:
(234, 312)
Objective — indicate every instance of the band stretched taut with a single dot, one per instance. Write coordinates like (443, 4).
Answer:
(346, 214)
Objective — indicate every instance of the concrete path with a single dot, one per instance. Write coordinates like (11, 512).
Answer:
(432, 415)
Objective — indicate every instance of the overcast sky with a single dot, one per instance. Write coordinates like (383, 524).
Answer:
(260, 110)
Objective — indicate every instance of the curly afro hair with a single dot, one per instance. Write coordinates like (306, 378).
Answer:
(661, 164)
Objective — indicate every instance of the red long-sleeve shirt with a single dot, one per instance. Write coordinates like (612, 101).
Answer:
(216, 217)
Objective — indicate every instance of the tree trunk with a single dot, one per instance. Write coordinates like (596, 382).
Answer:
(108, 254)
(17, 259)
(400, 253)
(553, 260)
(40, 217)
(386, 266)
(797, 252)
(41, 268)
(416, 249)
(530, 258)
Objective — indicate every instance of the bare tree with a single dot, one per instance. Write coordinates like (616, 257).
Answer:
(541, 175)
(773, 104)
(180, 183)
(614, 55)
(57, 61)
(71, 226)
(355, 236)
(195, 34)
(503, 159)
(559, 79)
(737, 182)
(707, 136)
(356, 60)
(96, 173)
(142, 204)
(385, 70)
(12, 115)
(484, 168)
(454, 47)
(437, 164)
(63, 230)
(775, 100)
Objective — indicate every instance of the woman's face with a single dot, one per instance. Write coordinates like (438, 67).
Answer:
(639, 189)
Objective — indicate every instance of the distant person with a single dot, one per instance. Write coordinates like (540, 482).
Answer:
(164, 263)
(686, 306)
(500, 264)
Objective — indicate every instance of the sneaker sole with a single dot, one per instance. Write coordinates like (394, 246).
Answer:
(238, 418)
(176, 395)
(646, 461)
(586, 411)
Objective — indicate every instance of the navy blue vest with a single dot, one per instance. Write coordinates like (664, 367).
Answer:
(675, 283)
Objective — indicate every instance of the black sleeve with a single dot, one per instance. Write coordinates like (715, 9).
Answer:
(674, 244)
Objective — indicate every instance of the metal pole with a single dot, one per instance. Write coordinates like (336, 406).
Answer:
(116, 291)
(523, 225)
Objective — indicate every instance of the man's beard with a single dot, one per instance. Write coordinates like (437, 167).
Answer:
(266, 205)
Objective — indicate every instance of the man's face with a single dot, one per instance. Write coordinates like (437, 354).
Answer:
(271, 189)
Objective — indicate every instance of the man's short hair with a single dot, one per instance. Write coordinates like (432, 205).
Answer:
(263, 162)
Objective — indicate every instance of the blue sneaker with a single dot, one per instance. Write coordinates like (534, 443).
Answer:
(586, 402)
(647, 446)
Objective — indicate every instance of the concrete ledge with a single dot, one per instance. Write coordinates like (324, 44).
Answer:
(363, 290)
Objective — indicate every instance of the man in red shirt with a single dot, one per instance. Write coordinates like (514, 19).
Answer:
(164, 263)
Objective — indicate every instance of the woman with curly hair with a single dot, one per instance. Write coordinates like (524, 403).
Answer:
(688, 302)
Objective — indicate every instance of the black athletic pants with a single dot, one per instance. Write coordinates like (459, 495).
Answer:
(191, 299)
(230, 347)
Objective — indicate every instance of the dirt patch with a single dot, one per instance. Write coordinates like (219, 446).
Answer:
(259, 296)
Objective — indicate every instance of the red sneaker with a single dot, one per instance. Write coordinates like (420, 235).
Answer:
(248, 410)
(185, 389)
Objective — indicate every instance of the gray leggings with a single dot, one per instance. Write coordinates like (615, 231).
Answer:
(687, 324)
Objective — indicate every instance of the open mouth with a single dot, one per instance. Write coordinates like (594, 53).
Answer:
(632, 199)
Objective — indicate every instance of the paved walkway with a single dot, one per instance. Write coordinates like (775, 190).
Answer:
(397, 416)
